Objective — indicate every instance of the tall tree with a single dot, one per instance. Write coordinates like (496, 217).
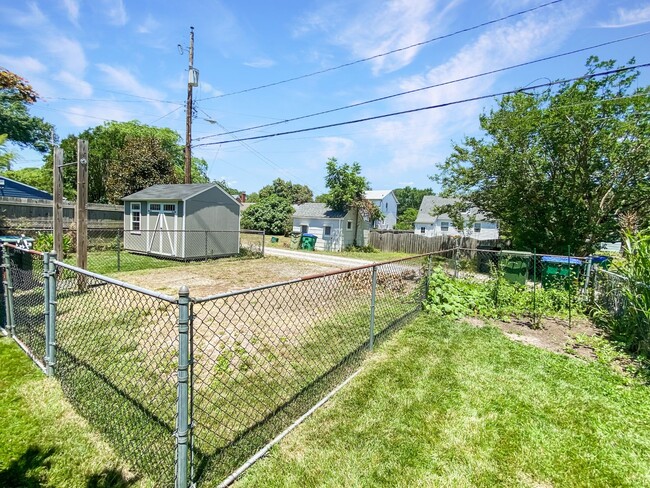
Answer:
(272, 214)
(347, 191)
(16, 95)
(556, 168)
(410, 198)
(294, 193)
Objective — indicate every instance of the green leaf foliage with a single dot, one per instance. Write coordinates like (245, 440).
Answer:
(557, 167)
(406, 220)
(345, 184)
(272, 215)
(410, 198)
(294, 193)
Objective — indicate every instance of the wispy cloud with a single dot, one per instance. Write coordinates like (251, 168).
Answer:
(72, 8)
(116, 12)
(339, 147)
(625, 17)
(122, 79)
(260, 63)
(74, 84)
(30, 17)
(83, 116)
(68, 52)
(148, 26)
(27, 64)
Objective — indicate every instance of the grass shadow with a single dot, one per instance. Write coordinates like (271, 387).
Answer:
(110, 478)
(30, 470)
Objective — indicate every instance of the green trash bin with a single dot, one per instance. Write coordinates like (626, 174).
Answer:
(515, 266)
(559, 271)
(308, 242)
(295, 240)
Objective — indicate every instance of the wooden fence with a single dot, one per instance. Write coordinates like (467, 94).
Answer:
(409, 242)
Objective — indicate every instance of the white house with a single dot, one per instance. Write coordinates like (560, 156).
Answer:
(429, 224)
(334, 229)
(387, 203)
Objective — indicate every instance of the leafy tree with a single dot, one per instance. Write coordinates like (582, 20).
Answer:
(105, 148)
(295, 193)
(227, 188)
(321, 198)
(347, 191)
(556, 168)
(410, 198)
(16, 95)
(5, 156)
(272, 215)
(36, 177)
(141, 162)
(406, 220)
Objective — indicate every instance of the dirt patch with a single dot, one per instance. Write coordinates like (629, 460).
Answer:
(555, 334)
(223, 275)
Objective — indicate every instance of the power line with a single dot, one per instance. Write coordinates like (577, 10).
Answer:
(458, 80)
(376, 56)
(431, 107)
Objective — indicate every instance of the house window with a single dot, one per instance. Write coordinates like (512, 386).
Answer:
(154, 207)
(421, 230)
(444, 226)
(477, 227)
(386, 205)
(327, 231)
(169, 208)
(304, 229)
(349, 225)
(135, 217)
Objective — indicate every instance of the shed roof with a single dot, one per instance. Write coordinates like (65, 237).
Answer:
(318, 210)
(429, 202)
(13, 188)
(171, 192)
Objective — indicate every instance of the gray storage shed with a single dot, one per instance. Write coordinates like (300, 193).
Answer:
(182, 221)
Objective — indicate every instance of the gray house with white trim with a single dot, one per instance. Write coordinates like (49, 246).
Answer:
(431, 224)
(182, 221)
(334, 229)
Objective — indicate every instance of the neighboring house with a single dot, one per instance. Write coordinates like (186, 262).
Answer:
(429, 224)
(172, 220)
(334, 229)
(387, 203)
(16, 189)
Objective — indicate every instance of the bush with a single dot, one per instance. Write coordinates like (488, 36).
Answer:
(44, 242)
(368, 249)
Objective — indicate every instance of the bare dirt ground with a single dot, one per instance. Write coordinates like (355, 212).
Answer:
(223, 275)
(555, 334)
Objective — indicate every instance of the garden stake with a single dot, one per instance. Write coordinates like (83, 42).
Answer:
(182, 425)
(46, 297)
(568, 250)
(535, 324)
(10, 292)
(51, 284)
(373, 296)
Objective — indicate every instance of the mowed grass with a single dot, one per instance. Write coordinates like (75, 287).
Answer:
(446, 404)
(43, 442)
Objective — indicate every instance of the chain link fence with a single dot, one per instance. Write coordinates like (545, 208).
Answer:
(113, 250)
(187, 389)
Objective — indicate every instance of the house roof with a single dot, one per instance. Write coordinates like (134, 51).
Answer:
(13, 188)
(377, 194)
(318, 210)
(171, 192)
(429, 202)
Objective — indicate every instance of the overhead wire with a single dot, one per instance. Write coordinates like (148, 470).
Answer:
(430, 107)
(437, 85)
(376, 56)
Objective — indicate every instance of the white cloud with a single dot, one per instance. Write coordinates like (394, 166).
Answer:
(626, 17)
(83, 116)
(206, 89)
(26, 65)
(31, 17)
(338, 147)
(148, 26)
(260, 63)
(116, 12)
(74, 84)
(69, 52)
(72, 8)
(122, 79)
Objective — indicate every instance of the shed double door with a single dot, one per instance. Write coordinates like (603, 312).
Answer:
(162, 238)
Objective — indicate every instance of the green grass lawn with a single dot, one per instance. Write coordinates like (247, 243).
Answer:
(447, 404)
(43, 442)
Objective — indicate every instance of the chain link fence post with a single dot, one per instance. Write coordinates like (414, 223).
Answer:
(9, 295)
(118, 243)
(50, 284)
(46, 300)
(373, 299)
(182, 424)
(263, 241)
(427, 278)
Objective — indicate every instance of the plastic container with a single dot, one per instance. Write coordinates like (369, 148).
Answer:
(308, 242)
(559, 271)
(295, 240)
(515, 266)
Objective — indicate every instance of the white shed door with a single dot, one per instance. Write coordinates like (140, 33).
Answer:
(162, 239)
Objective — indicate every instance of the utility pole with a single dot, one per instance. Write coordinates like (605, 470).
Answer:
(192, 81)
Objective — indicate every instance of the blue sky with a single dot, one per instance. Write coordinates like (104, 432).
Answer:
(101, 60)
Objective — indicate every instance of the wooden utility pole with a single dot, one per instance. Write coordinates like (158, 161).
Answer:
(81, 211)
(57, 194)
(192, 81)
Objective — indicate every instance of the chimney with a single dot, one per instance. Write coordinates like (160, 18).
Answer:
(242, 197)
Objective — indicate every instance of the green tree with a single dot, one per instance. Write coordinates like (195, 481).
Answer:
(294, 193)
(347, 192)
(105, 148)
(141, 162)
(16, 95)
(6, 156)
(406, 220)
(36, 177)
(227, 188)
(272, 215)
(556, 168)
(410, 198)
(322, 198)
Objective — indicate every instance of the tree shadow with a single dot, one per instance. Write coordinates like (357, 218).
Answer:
(29, 470)
(110, 478)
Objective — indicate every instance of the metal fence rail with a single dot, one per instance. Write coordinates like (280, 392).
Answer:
(608, 292)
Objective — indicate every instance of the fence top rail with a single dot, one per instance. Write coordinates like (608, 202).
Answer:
(612, 274)
(113, 281)
(22, 249)
(309, 278)
(506, 251)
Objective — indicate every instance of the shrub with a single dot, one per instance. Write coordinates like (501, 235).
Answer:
(44, 242)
